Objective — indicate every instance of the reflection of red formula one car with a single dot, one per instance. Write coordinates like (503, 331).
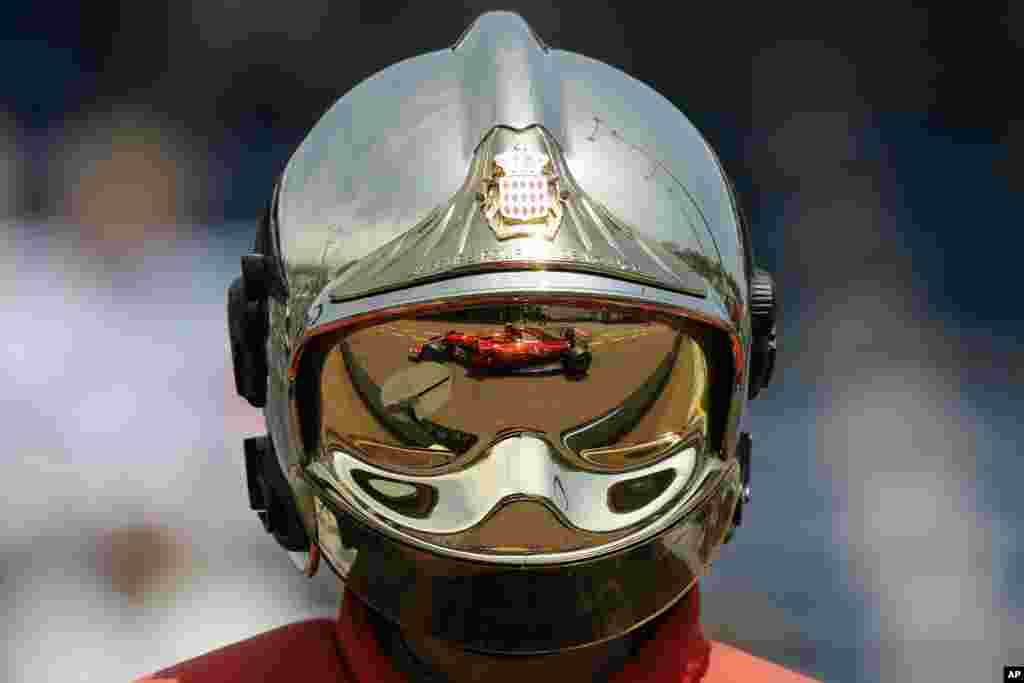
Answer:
(443, 347)
(517, 348)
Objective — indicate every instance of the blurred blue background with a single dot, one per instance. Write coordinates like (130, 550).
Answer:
(874, 151)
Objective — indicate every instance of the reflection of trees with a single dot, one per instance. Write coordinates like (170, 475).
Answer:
(516, 313)
(717, 276)
(288, 322)
(306, 285)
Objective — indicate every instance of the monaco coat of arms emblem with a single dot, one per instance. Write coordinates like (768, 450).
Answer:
(522, 197)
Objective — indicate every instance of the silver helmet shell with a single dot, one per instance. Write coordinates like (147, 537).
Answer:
(399, 212)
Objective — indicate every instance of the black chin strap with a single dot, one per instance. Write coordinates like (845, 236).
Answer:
(409, 664)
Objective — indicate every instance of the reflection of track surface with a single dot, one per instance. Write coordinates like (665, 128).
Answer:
(623, 357)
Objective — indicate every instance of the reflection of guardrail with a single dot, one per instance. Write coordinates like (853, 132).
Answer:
(402, 422)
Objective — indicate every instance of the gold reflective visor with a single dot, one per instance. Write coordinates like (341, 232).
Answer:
(429, 394)
(584, 423)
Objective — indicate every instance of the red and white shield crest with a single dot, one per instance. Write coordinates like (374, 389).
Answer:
(524, 196)
(524, 192)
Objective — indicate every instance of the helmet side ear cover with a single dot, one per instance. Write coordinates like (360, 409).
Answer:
(248, 328)
(744, 447)
(270, 495)
(249, 316)
(763, 315)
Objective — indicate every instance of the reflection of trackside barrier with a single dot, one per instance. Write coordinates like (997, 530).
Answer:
(401, 420)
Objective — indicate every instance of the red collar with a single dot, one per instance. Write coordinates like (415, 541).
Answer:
(677, 653)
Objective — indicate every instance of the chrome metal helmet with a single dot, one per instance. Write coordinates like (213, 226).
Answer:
(503, 321)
